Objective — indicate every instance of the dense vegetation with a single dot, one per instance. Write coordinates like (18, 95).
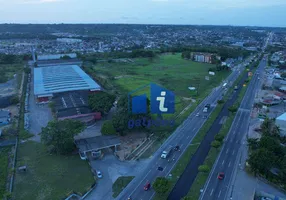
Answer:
(58, 135)
(268, 155)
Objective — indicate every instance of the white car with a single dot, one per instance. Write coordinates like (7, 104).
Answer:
(99, 175)
(198, 114)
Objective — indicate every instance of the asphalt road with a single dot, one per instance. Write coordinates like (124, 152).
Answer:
(183, 136)
(229, 158)
(186, 180)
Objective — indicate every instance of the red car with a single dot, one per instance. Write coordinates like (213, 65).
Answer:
(220, 176)
(147, 186)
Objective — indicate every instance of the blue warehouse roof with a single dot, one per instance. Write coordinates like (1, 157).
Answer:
(61, 78)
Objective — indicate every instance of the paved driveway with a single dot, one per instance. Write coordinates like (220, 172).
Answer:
(111, 168)
(39, 115)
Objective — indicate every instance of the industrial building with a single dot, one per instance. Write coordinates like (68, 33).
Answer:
(61, 79)
(281, 122)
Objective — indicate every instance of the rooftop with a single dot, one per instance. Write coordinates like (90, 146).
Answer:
(61, 78)
(282, 117)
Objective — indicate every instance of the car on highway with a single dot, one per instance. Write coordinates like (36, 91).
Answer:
(160, 168)
(147, 186)
(177, 148)
(204, 117)
(220, 176)
(198, 114)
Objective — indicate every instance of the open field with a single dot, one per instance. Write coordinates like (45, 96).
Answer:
(49, 176)
(8, 71)
(170, 71)
(3, 169)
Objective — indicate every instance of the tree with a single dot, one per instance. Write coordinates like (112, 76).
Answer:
(120, 122)
(59, 135)
(101, 102)
(216, 144)
(27, 70)
(219, 137)
(283, 75)
(161, 185)
(220, 101)
(261, 161)
(14, 99)
(253, 143)
(204, 168)
(108, 128)
(232, 109)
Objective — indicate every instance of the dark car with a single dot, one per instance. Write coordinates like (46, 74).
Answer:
(147, 186)
(220, 176)
(160, 168)
(204, 117)
(177, 148)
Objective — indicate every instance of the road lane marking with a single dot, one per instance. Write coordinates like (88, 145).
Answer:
(229, 164)
(212, 192)
(226, 151)
(219, 193)
(222, 162)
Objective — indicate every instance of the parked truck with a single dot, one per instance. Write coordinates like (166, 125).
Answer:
(167, 152)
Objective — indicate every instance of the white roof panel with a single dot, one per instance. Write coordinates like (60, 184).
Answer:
(61, 78)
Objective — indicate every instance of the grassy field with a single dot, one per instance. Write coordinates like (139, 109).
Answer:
(8, 71)
(3, 169)
(170, 71)
(120, 184)
(49, 176)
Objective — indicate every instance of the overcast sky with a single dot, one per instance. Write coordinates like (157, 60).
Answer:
(212, 12)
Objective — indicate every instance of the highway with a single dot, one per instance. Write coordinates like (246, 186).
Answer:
(229, 158)
(182, 136)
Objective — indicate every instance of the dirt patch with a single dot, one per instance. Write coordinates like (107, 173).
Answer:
(129, 143)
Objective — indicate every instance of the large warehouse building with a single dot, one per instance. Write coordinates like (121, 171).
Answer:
(60, 79)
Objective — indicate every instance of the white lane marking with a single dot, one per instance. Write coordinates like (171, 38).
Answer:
(212, 192)
(226, 151)
(194, 129)
(222, 162)
(188, 137)
(219, 193)
(141, 181)
(233, 152)
(229, 164)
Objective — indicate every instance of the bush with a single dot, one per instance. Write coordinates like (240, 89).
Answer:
(14, 100)
(204, 168)
(216, 144)
(219, 137)
(161, 185)
(108, 128)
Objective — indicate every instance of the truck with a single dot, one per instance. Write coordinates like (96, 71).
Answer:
(206, 108)
(167, 152)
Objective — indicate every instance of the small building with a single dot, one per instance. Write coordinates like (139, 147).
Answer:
(281, 122)
(5, 117)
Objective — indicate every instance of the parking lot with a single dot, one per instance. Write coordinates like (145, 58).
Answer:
(111, 168)
(39, 114)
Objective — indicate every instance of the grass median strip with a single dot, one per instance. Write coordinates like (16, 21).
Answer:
(120, 183)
